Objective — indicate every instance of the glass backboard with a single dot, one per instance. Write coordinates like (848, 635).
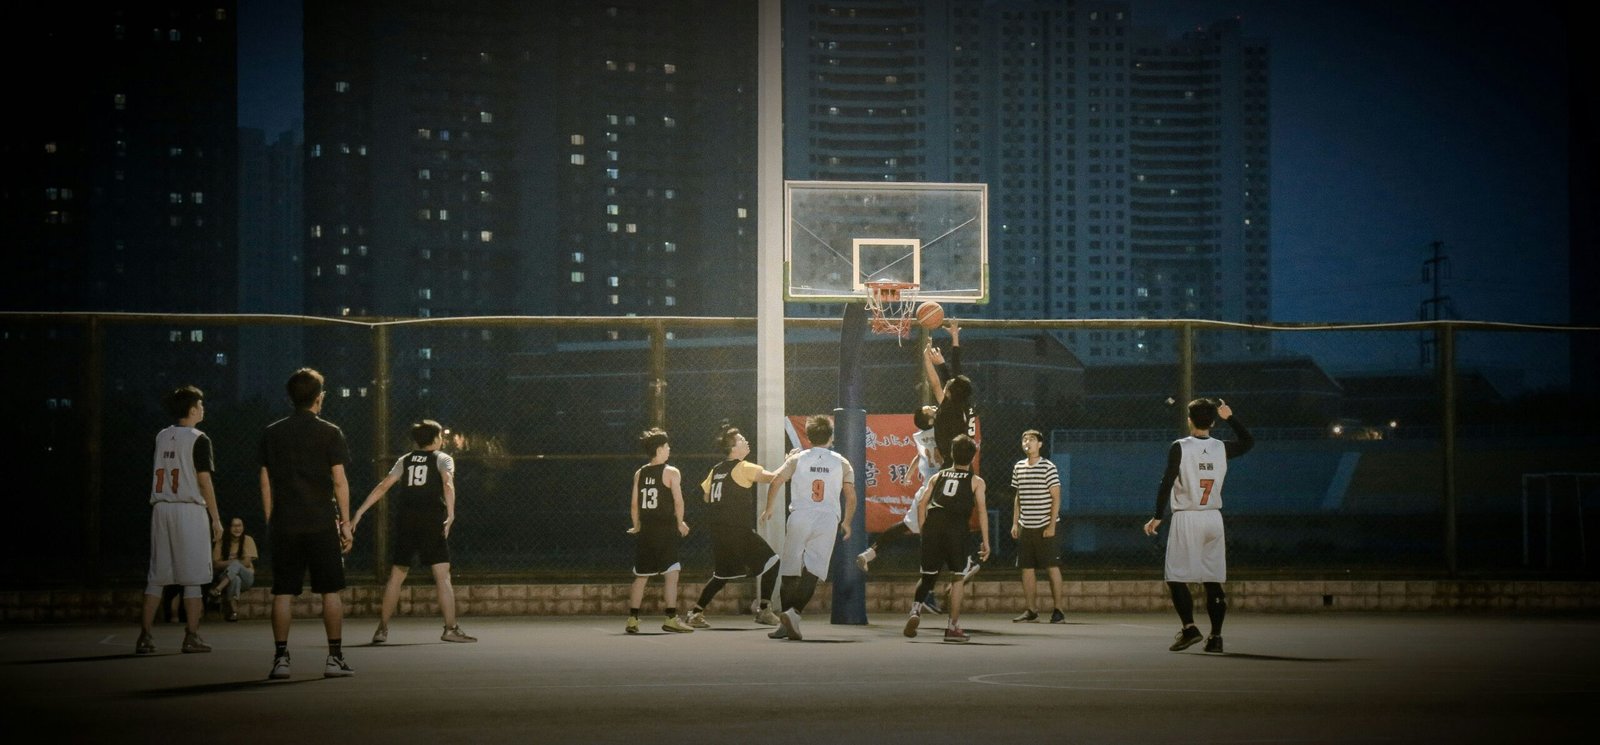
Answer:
(839, 235)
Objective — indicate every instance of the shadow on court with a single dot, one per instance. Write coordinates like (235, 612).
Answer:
(1104, 678)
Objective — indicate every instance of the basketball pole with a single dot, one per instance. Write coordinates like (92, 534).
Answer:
(850, 441)
(769, 405)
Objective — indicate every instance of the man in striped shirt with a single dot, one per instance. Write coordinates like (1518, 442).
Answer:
(1033, 524)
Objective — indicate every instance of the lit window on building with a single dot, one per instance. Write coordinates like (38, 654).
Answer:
(197, 335)
(485, 176)
(611, 209)
(669, 68)
(174, 336)
(341, 269)
(743, 213)
(669, 247)
(424, 214)
(576, 159)
(669, 122)
(670, 193)
(425, 353)
(577, 257)
(485, 236)
(612, 155)
(426, 293)
(611, 227)
(612, 173)
(221, 359)
(614, 299)
(611, 118)
(577, 277)
(577, 139)
(341, 87)
(444, 215)
(50, 147)
(199, 197)
(423, 133)
(669, 301)
(486, 117)
(612, 281)
(424, 174)
(632, 227)
(174, 35)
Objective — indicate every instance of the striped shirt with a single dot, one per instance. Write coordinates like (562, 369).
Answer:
(1033, 484)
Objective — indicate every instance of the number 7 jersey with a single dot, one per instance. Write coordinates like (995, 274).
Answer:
(1201, 471)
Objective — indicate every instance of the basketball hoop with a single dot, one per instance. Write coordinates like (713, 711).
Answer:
(893, 305)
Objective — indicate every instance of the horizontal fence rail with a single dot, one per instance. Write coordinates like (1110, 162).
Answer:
(1417, 470)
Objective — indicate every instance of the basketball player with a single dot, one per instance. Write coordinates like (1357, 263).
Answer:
(737, 550)
(181, 498)
(1034, 517)
(306, 499)
(658, 523)
(425, 510)
(953, 495)
(953, 391)
(820, 476)
(925, 465)
(1192, 485)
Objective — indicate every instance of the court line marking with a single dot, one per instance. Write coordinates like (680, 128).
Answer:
(987, 680)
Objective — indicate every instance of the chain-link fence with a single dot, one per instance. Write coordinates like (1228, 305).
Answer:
(1428, 469)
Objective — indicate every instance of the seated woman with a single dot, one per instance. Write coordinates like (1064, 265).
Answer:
(234, 559)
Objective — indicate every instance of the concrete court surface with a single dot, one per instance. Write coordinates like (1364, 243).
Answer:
(1104, 678)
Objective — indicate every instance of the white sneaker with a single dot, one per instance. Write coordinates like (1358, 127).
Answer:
(791, 624)
(337, 668)
(280, 668)
(766, 617)
(698, 620)
(865, 557)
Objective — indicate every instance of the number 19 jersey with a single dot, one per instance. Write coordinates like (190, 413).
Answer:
(420, 482)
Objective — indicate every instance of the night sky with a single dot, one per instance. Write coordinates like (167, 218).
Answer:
(1394, 124)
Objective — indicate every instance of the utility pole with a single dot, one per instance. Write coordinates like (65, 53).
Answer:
(1435, 269)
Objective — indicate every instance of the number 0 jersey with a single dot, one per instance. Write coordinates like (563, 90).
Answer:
(181, 454)
(654, 498)
(421, 485)
(952, 496)
(1201, 471)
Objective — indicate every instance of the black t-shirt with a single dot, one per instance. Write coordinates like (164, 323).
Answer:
(299, 453)
(421, 484)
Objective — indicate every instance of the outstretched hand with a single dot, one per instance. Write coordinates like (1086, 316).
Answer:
(936, 356)
(1224, 411)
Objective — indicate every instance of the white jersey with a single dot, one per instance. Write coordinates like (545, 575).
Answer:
(927, 449)
(1201, 471)
(819, 476)
(174, 479)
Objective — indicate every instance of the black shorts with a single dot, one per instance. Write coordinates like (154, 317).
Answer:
(1034, 551)
(945, 546)
(656, 549)
(739, 552)
(419, 535)
(293, 554)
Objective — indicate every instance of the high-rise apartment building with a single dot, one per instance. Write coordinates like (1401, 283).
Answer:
(1127, 170)
(491, 157)
(271, 240)
(119, 186)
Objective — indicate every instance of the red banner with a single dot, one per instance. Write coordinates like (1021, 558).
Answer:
(892, 479)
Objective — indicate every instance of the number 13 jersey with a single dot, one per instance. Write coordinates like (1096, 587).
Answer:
(655, 499)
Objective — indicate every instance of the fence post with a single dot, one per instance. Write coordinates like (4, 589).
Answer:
(94, 428)
(658, 375)
(380, 445)
(1185, 375)
(1447, 386)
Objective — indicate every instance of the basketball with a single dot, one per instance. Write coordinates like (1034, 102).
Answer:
(930, 314)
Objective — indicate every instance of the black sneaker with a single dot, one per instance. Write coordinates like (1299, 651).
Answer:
(1056, 616)
(1186, 638)
(1214, 645)
(1028, 616)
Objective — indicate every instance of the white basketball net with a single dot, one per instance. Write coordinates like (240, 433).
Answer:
(893, 306)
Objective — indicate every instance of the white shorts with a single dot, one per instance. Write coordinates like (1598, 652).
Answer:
(911, 514)
(180, 544)
(1196, 551)
(808, 542)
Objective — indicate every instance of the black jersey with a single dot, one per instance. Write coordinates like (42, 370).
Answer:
(654, 498)
(950, 422)
(952, 496)
(421, 483)
(729, 503)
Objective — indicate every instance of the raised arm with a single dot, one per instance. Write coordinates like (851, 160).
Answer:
(1242, 445)
(930, 359)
